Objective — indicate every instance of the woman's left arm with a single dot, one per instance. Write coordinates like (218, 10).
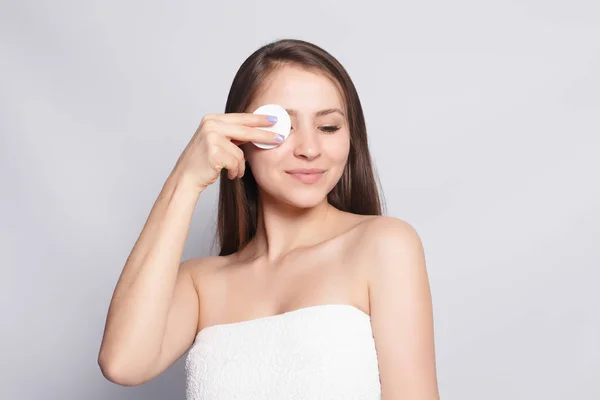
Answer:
(401, 312)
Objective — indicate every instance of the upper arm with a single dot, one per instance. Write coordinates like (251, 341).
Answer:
(182, 319)
(401, 312)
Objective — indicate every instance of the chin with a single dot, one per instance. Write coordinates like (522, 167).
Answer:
(303, 200)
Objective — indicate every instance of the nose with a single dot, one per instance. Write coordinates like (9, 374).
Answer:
(307, 142)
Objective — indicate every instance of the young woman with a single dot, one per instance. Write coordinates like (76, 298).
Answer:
(314, 294)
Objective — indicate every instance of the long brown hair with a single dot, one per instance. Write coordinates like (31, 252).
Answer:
(356, 191)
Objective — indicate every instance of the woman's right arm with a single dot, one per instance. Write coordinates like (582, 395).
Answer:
(152, 288)
(153, 314)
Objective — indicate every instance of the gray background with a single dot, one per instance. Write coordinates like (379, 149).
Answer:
(484, 123)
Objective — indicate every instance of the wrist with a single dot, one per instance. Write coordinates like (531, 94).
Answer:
(182, 182)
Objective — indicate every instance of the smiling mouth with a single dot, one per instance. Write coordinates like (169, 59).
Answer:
(306, 175)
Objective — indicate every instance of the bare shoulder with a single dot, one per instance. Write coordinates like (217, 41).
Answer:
(382, 233)
(200, 267)
(382, 243)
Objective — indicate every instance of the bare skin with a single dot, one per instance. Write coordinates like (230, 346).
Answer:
(244, 286)
(305, 252)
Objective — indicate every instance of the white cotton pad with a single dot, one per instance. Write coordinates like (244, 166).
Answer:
(282, 126)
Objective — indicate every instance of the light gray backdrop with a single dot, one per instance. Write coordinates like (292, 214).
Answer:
(484, 121)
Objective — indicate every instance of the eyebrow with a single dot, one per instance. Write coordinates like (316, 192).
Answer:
(318, 113)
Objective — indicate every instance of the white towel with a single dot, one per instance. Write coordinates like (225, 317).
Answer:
(317, 352)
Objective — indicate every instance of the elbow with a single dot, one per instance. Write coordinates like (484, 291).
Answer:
(119, 372)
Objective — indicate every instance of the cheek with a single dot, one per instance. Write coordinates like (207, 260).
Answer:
(339, 148)
(262, 162)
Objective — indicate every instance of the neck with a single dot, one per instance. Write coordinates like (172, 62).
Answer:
(282, 228)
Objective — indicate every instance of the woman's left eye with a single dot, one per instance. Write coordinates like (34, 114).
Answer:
(330, 128)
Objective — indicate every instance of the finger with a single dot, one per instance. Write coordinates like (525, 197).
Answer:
(241, 165)
(240, 134)
(243, 168)
(245, 119)
(228, 161)
(239, 155)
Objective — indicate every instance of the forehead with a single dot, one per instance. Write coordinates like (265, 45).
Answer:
(299, 89)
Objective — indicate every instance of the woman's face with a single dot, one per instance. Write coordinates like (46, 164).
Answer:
(303, 169)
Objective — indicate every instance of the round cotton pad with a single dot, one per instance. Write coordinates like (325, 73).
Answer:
(282, 126)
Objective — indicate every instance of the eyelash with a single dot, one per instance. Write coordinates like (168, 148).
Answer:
(328, 128)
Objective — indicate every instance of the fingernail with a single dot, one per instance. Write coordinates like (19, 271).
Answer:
(272, 118)
(279, 138)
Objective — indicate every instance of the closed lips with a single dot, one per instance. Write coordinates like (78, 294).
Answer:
(307, 171)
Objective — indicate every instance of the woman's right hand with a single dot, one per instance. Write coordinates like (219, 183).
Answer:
(214, 146)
